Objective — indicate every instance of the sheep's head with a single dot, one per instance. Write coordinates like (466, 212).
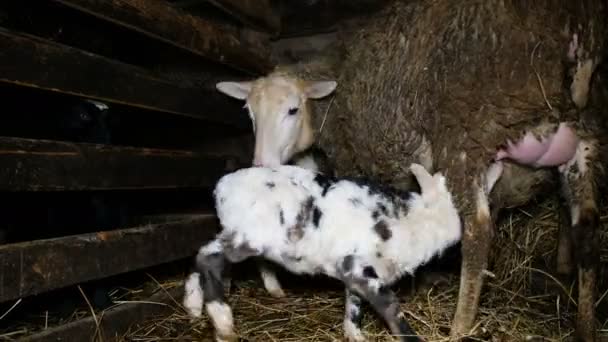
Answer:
(280, 114)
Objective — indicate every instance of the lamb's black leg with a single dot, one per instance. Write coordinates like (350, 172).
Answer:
(352, 317)
(205, 286)
(363, 280)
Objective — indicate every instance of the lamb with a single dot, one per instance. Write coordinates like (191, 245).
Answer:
(479, 89)
(365, 235)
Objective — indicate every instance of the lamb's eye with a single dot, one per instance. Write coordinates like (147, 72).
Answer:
(292, 111)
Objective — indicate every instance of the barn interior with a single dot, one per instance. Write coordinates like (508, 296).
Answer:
(113, 135)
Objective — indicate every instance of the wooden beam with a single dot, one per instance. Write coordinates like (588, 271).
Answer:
(114, 322)
(35, 267)
(258, 14)
(42, 165)
(36, 63)
(157, 19)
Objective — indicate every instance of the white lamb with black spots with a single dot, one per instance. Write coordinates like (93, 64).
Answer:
(365, 235)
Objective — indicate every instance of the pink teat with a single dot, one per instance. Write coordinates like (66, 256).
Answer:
(562, 149)
(554, 150)
(526, 151)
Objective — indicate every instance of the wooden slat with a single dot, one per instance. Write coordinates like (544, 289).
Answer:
(114, 322)
(32, 62)
(42, 165)
(35, 267)
(159, 20)
(259, 14)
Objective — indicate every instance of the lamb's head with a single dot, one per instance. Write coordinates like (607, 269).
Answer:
(280, 113)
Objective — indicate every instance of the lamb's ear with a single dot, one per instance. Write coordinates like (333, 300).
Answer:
(319, 89)
(238, 90)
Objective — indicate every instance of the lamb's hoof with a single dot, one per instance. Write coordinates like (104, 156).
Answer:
(355, 338)
(193, 312)
(227, 284)
(352, 333)
(227, 337)
(277, 293)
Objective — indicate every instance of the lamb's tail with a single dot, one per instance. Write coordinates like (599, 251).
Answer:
(193, 295)
(430, 185)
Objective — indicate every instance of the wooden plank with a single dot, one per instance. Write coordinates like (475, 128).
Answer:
(34, 267)
(157, 19)
(42, 165)
(114, 322)
(258, 14)
(32, 62)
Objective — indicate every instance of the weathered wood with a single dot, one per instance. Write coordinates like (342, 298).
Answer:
(161, 21)
(114, 322)
(258, 14)
(35, 267)
(42, 165)
(32, 62)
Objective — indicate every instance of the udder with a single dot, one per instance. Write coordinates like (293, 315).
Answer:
(551, 150)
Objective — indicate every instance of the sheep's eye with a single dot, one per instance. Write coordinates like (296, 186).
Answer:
(292, 111)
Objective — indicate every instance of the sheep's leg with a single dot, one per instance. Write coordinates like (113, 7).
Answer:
(476, 241)
(352, 317)
(578, 178)
(564, 262)
(271, 283)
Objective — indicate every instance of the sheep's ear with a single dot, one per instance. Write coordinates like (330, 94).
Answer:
(238, 90)
(319, 89)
